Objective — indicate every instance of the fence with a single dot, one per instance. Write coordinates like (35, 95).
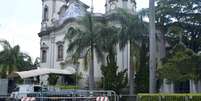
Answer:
(101, 96)
(73, 95)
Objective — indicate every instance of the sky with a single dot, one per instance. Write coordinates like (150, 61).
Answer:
(20, 22)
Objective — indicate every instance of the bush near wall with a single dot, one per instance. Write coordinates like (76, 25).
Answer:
(67, 87)
(169, 97)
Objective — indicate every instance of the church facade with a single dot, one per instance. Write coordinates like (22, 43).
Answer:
(58, 16)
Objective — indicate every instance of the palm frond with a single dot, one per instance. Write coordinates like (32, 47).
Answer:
(5, 44)
(143, 12)
(99, 53)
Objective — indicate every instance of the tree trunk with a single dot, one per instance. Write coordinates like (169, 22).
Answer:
(161, 45)
(91, 71)
(152, 48)
(130, 67)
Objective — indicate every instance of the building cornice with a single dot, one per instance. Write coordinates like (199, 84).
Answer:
(55, 28)
(97, 17)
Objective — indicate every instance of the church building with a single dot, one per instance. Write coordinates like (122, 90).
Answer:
(58, 17)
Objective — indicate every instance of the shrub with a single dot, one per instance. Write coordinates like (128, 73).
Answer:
(169, 97)
(67, 87)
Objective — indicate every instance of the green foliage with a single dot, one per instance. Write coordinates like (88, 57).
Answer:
(142, 75)
(112, 79)
(82, 40)
(67, 87)
(52, 79)
(89, 40)
(12, 59)
(185, 15)
(169, 97)
(133, 28)
(180, 65)
(36, 62)
(75, 77)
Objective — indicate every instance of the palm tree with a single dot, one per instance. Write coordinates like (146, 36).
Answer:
(11, 59)
(133, 30)
(89, 41)
(152, 48)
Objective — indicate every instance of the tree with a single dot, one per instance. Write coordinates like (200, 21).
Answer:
(112, 79)
(182, 17)
(36, 63)
(180, 65)
(142, 75)
(90, 40)
(52, 79)
(12, 59)
(133, 30)
(185, 15)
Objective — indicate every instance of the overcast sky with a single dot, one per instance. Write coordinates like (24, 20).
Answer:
(20, 22)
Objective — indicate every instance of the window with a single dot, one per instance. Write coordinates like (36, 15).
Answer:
(45, 15)
(44, 56)
(125, 4)
(60, 52)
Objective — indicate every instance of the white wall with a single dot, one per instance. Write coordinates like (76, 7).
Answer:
(52, 14)
(46, 40)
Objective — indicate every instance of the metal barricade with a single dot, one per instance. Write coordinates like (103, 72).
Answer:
(70, 95)
(86, 95)
(4, 98)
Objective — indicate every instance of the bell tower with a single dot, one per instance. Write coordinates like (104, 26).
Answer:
(129, 5)
(50, 12)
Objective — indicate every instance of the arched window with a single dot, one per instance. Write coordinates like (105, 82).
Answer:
(44, 49)
(45, 14)
(60, 51)
(44, 56)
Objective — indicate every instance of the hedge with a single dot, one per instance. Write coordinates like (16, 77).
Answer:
(67, 87)
(169, 97)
